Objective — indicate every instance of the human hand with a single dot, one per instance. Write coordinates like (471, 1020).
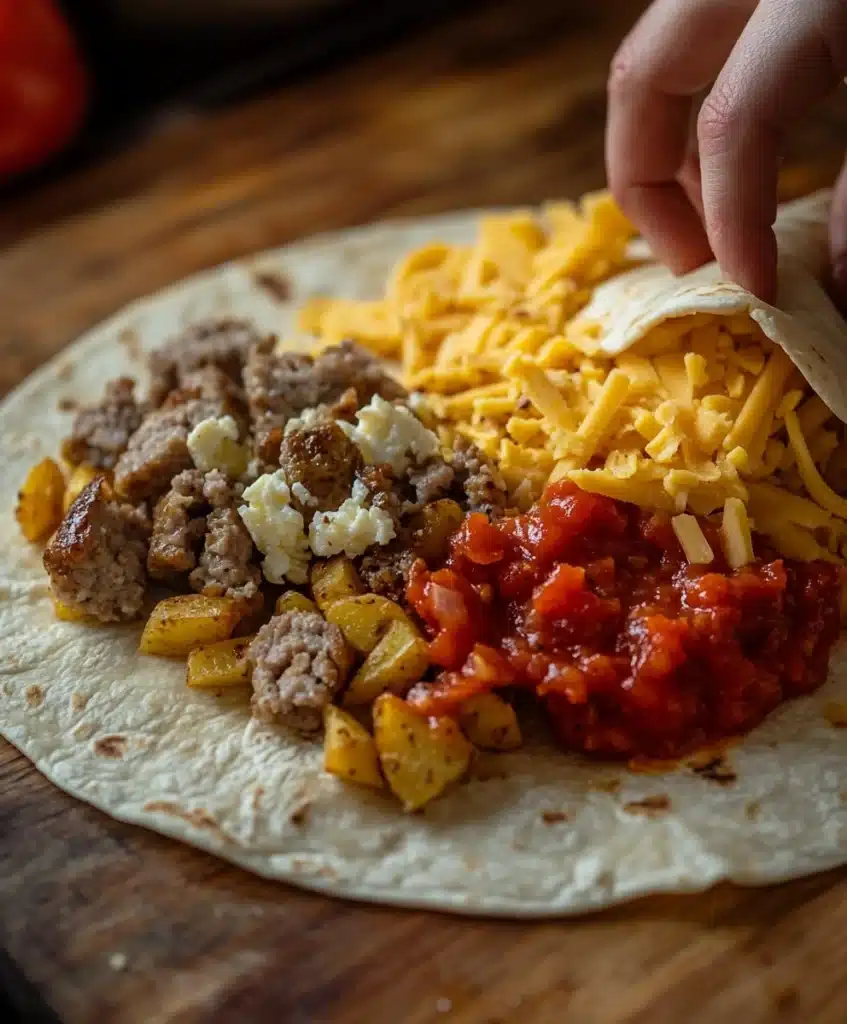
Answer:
(698, 184)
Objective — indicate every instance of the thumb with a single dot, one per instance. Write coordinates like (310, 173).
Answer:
(838, 241)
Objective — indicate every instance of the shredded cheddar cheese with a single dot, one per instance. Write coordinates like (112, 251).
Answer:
(703, 415)
(693, 541)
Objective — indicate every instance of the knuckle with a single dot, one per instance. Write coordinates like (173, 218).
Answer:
(718, 120)
(623, 72)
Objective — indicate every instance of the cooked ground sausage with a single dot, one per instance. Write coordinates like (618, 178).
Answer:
(324, 460)
(299, 662)
(225, 568)
(202, 508)
(483, 484)
(177, 527)
(281, 385)
(96, 558)
(222, 343)
(158, 450)
(385, 570)
(100, 433)
(432, 481)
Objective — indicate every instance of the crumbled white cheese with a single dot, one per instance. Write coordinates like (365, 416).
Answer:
(390, 433)
(307, 418)
(213, 444)
(277, 529)
(303, 494)
(352, 529)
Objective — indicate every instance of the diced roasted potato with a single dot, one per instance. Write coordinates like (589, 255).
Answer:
(292, 601)
(399, 659)
(420, 756)
(490, 722)
(365, 619)
(70, 613)
(39, 509)
(179, 624)
(434, 526)
(79, 479)
(219, 665)
(349, 749)
(334, 580)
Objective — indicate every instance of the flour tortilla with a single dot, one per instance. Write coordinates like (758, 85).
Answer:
(544, 834)
(806, 323)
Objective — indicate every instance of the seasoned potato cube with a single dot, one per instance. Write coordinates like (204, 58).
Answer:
(219, 665)
(399, 659)
(79, 479)
(70, 613)
(39, 509)
(349, 749)
(434, 526)
(291, 601)
(364, 620)
(179, 624)
(420, 756)
(490, 722)
(334, 580)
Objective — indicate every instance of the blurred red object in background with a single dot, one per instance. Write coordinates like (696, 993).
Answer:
(43, 84)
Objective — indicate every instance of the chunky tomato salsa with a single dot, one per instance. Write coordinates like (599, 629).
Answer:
(591, 604)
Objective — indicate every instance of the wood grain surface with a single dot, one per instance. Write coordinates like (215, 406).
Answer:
(100, 922)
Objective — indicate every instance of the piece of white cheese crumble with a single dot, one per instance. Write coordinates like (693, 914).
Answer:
(277, 529)
(213, 444)
(352, 529)
(306, 419)
(390, 433)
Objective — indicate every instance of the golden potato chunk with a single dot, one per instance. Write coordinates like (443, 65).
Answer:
(334, 580)
(219, 665)
(179, 624)
(420, 756)
(490, 722)
(292, 601)
(433, 527)
(399, 659)
(39, 509)
(70, 613)
(79, 479)
(365, 619)
(349, 749)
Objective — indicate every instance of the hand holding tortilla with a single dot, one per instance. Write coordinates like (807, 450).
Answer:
(761, 68)
(538, 501)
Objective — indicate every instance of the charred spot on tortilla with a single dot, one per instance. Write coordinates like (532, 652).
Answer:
(716, 770)
(300, 815)
(128, 337)
(752, 810)
(34, 696)
(553, 817)
(111, 746)
(78, 702)
(198, 817)
(67, 404)
(275, 284)
(651, 806)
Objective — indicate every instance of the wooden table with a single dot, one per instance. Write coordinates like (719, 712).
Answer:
(105, 923)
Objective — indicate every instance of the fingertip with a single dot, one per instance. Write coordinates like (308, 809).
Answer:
(752, 262)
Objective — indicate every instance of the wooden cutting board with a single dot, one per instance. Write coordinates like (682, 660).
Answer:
(100, 922)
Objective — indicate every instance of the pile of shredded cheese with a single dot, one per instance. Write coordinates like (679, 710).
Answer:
(703, 414)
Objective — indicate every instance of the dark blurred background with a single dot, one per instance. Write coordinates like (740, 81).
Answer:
(150, 59)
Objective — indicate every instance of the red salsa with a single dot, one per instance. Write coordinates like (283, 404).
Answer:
(590, 603)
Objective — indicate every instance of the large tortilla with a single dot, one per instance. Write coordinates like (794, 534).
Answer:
(546, 834)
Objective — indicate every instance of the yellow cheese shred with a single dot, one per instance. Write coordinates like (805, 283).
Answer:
(735, 534)
(815, 484)
(689, 533)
